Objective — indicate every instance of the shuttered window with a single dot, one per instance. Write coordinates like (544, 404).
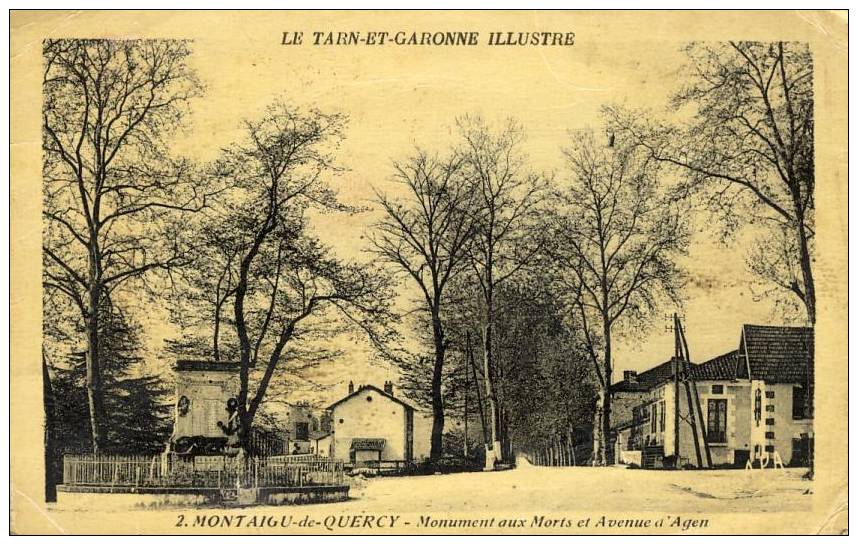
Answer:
(716, 425)
(799, 403)
(654, 421)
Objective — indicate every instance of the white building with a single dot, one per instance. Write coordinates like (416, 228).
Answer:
(751, 405)
(372, 425)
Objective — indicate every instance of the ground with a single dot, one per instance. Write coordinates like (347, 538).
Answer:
(608, 499)
(531, 488)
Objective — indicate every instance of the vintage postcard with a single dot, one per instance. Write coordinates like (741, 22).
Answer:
(432, 272)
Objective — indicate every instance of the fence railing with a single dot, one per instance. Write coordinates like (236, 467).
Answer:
(385, 467)
(200, 472)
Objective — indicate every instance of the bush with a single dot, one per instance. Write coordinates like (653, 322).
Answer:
(449, 464)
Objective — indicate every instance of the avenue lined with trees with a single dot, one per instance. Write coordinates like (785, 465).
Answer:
(497, 292)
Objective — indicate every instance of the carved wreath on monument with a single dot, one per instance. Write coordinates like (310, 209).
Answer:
(183, 405)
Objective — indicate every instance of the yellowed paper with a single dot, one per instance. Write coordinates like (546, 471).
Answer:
(399, 82)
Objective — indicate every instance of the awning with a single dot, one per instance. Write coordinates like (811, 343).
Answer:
(367, 444)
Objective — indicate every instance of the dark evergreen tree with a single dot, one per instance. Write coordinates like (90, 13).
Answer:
(136, 404)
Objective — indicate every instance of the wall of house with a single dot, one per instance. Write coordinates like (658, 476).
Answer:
(622, 453)
(622, 403)
(322, 446)
(296, 415)
(369, 415)
(668, 393)
(776, 428)
(738, 412)
(774, 431)
(422, 435)
(642, 432)
(208, 393)
(738, 434)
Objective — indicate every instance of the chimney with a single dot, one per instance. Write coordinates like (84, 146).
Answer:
(388, 388)
(351, 387)
(630, 376)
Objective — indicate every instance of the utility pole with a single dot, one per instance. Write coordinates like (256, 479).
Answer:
(675, 364)
(696, 410)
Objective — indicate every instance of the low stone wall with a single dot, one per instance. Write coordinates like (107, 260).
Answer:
(124, 497)
(119, 497)
(302, 496)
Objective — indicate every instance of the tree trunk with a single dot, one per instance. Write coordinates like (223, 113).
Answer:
(807, 275)
(437, 400)
(599, 451)
(493, 448)
(244, 420)
(216, 334)
(605, 392)
(810, 305)
(94, 388)
(50, 448)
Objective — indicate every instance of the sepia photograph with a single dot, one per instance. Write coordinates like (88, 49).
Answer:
(425, 273)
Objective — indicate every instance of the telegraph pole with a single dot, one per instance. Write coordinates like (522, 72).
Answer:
(675, 364)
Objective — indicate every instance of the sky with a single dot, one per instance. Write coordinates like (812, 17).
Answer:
(400, 97)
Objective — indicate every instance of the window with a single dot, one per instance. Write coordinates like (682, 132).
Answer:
(799, 402)
(661, 414)
(654, 421)
(758, 406)
(716, 428)
(717, 389)
(302, 431)
(770, 394)
(770, 421)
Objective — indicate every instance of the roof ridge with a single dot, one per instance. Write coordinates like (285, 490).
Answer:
(376, 389)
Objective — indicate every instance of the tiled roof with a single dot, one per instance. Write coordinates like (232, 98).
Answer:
(368, 444)
(722, 367)
(648, 379)
(778, 354)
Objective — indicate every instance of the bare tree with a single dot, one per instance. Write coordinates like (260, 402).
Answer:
(615, 243)
(111, 187)
(506, 200)
(749, 149)
(285, 280)
(199, 299)
(427, 239)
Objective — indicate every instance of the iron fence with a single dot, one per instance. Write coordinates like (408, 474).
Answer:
(200, 472)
